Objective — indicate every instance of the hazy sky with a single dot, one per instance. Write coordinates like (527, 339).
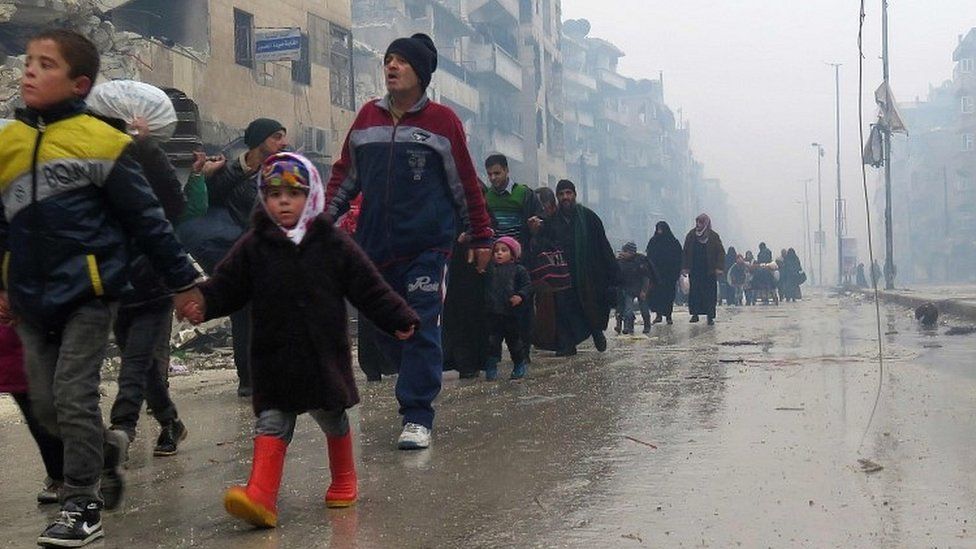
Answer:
(750, 77)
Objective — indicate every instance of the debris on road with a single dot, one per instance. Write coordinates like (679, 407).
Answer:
(638, 441)
(868, 466)
(960, 330)
(789, 409)
(739, 343)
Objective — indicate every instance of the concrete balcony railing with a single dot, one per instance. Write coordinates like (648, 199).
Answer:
(582, 80)
(612, 79)
(613, 115)
(582, 118)
(493, 10)
(491, 59)
(506, 143)
(457, 91)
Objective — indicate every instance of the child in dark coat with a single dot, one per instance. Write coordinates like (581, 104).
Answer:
(297, 270)
(509, 286)
(637, 277)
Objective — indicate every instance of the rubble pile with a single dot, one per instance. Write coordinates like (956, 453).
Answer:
(119, 49)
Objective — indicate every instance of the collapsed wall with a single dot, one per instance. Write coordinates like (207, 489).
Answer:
(19, 20)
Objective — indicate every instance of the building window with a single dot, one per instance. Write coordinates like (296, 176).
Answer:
(319, 39)
(966, 64)
(968, 105)
(968, 142)
(185, 22)
(340, 64)
(301, 70)
(243, 38)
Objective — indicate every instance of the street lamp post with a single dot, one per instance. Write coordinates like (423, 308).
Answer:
(839, 221)
(820, 233)
(807, 246)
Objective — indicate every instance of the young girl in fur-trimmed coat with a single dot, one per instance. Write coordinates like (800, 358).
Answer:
(296, 269)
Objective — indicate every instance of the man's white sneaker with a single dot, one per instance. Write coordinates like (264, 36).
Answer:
(414, 437)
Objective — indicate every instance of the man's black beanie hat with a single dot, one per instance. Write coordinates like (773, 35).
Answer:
(259, 130)
(420, 52)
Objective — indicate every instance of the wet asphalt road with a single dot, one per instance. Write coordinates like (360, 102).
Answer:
(670, 441)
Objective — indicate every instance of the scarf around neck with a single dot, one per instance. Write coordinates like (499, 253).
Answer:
(703, 226)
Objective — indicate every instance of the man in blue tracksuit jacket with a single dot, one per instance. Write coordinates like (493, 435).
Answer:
(408, 157)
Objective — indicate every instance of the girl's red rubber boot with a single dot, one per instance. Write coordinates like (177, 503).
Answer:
(344, 488)
(257, 503)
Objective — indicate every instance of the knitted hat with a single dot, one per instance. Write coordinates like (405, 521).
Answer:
(512, 245)
(283, 170)
(630, 247)
(420, 52)
(259, 130)
(565, 184)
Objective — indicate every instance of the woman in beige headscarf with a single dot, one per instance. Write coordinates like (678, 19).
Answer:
(704, 262)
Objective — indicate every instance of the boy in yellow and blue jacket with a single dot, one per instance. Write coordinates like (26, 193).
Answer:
(73, 199)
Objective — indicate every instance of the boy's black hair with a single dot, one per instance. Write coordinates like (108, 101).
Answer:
(78, 51)
(496, 160)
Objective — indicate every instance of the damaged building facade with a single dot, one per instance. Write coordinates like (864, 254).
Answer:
(934, 178)
(206, 50)
(629, 154)
(550, 98)
(499, 68)
(524, 83)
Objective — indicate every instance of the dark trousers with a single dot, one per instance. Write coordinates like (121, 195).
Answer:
(64, 369)
(52, 451)
(142, 333)
(572, 326)
(505, 328)
(209, 239)
(420, 282)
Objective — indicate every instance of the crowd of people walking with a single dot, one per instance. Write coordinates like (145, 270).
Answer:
(443, 272)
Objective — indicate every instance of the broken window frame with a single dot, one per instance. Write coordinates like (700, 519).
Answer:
(341, 76)
(301, 70)
(320, 39)
(244, 32)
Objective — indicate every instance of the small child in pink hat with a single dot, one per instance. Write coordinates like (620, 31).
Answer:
(508, 289)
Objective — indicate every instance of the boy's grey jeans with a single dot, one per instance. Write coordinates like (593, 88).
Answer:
(63, 372)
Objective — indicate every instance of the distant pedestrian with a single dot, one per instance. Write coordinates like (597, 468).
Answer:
(727, 294)
(664, 253)
(792, 276)
(636, 279)
(297, 270)
(508, 291)
(704, 262)
(738, 277)
(862, 279)
(765, 255)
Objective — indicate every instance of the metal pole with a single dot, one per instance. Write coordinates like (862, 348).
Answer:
(889, 269)
(820, 233)
(808, 246)
(945, 206)
(839, 226)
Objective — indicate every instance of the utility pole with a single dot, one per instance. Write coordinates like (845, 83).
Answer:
(808, 247)
(839, 224)
(889, 270)
(820, 240)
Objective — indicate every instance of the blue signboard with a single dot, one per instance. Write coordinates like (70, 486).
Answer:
(278, 45)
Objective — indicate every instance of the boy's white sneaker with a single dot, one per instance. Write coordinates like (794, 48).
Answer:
(414, 437)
